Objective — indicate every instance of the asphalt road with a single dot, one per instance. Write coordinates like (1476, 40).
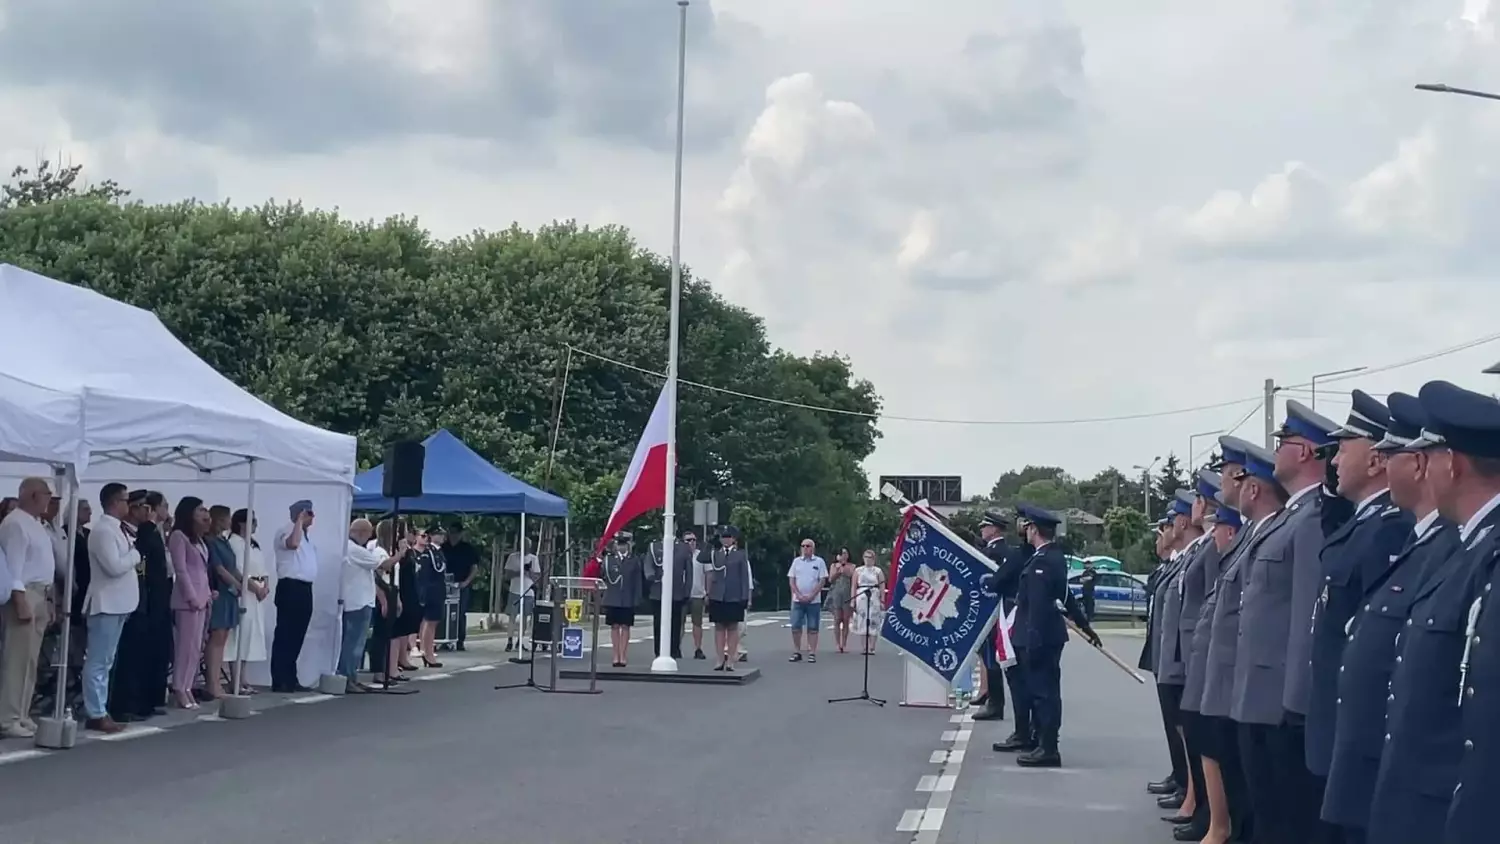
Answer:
(460, 762)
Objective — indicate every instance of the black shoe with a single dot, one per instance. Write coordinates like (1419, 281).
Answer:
(989, 714)
(698, 654)
(1190, 831)
(1171, 801)
(1166, 786)
(1178, 820)
(1040, 758)
(1014, 744)
(981, 700)
(460, 647)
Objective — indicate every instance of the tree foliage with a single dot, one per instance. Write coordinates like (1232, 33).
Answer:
(380, 330)
(1169, 479)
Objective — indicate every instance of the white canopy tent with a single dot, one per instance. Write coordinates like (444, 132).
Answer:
(93, 390)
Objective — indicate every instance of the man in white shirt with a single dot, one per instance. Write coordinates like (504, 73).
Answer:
(361, 559)
(806, 575)
(32, 556)
(113, 594)
(522, 577)
(296, 569)
(698, 596)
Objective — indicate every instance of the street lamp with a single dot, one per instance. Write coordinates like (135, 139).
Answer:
(1146, 485)
(1439, 88)
(1314, 380)
(1193, 437)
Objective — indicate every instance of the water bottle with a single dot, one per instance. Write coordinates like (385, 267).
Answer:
(963, 684)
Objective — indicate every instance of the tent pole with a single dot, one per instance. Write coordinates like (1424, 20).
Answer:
(238, 672)
(59, 706)
(521, 621)
(568, 547)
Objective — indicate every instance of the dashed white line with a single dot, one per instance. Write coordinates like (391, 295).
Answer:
(20, 756)
(133, 733)
(312, 699)
(910, 820)
(939, 757)
(433, 677)
(475, 669)
(926, 824)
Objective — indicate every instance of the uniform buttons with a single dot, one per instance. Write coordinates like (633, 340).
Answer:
(1408, 622)
(1338, 700)
(1469, 691)
(1468, 744)
(1367, 608)
(1328, 578)
(1387, 736)
(1429, 622)
(1341, 668)
(1351, 638)
(1398, 658)
(1384, 608)
(1390, 697)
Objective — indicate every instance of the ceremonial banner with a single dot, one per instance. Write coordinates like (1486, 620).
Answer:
(939, 613)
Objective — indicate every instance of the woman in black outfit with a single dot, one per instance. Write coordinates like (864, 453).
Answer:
(408, 587)
(434, 588)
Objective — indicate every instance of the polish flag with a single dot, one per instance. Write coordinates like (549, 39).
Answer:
(645, 487)
(1004, 653)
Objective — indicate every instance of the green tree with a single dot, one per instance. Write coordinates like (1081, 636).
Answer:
(1056, 494)
(1123, 528)
(1169, 479)
(380, 330)
(1006, 489)
(48, 183)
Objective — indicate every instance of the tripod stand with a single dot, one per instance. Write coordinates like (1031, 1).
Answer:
(867, 592)
(529, 658)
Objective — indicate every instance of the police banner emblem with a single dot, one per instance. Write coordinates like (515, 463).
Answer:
(939, 606)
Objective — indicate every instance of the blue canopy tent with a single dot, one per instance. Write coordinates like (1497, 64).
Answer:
(456, 479)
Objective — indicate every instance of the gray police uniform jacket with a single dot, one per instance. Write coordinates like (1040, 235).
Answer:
(729, 575)
(1166, 662)
(682, 571)
(1266, 613)
(622, 580)
(1307, 555)
(1199, 588)
(1223, 647)
(1171, 655)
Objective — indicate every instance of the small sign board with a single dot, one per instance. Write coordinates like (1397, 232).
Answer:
(706, 511)
(572, 643)
(573, 610)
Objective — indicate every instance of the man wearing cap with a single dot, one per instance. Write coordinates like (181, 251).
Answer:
(1043, 595)
(1215, 644)
(1181, 599)
(682, 586)
(1425, 731)
(1369, 653)
(296, 569)
(1470, 820)
(1164, 666)
(991, 702)
(1353, 556)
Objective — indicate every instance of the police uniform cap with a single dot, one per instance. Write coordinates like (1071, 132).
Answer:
(137, 497)
(1037, 515)
(1185, 496)
(1229, 517)
(1181, 508)
(1407, 419)
(1463, 420)
(1368, 419)
(1232, 450)
(1207, 483)
(1260, 463)
(624, 536)
(1306, 423)
(994, 518)
(437, 530)
(730, 531)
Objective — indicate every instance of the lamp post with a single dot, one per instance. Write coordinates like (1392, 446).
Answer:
(1146, 485)
(665, 662)
(1313, 382)
(1194, 437)
(1439, 88)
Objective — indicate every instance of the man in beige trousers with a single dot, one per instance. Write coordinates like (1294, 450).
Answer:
(31, 555)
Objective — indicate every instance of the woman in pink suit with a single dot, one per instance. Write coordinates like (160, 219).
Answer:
(191, 595)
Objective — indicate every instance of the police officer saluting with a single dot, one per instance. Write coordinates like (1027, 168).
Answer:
(1165, 660)
(1369, 653)
(991, 704)
(1425, 732)
(1039, 625)
(1470, 429)
(1353, 556)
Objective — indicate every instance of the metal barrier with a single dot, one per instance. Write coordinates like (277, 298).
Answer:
(578, 597)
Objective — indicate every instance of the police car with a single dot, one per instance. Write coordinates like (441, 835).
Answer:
(1116, 594)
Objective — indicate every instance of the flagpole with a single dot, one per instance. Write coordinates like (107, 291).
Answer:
(666, 629)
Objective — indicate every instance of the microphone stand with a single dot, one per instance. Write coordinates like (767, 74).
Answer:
(530, 681)
(864, 693)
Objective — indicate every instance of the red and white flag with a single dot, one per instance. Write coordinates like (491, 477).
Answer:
(1005, 654)
(645, 486)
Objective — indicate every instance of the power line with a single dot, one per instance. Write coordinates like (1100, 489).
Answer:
(1258, 401)
(1193, 459)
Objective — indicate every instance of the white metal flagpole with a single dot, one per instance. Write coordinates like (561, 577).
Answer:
(665, 662)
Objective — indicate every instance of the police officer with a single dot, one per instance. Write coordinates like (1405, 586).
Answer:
(1466, 478)
(1043, 594)
(1424, 732)
(1215, 643)
(992, 528)
(682, 586)
(1353, 556)
(1166, 664)
(1369, 655)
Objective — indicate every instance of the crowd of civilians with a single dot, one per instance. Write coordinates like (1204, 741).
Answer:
(166, 600)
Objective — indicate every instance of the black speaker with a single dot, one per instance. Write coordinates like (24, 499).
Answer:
(404, 462)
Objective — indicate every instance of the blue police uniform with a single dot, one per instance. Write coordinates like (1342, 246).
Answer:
(992, 708)
(1353, 557)
(1007, 583)
(1044, 588)
(1369, 655)
(1469, 820)
(1424, 738)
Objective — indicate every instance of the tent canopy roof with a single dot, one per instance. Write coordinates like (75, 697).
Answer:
(455, 479)
(91, 380)
(1494, 370)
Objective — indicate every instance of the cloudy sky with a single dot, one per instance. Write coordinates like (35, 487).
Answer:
(1001, 215)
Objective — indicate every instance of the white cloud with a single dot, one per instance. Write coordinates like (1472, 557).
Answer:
(1000, 211)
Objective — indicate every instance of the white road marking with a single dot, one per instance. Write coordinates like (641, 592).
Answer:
(133, 733)
(20, 756)
(932, 821)
(760, 622)
(312, 699)
(941, 782)
(928, 782)
(475, 669)
(926, 824)
(210, 718)
(1015, 768)
(910, 820)
(939, 757)
(433, 677)
(956, 755)
(949, 735)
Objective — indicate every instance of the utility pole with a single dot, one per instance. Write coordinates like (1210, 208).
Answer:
(1270, 405)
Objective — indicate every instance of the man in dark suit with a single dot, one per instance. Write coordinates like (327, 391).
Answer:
(682, 587)
(1425, 731)
(992, 528)
(1369, 655)
(1353, 556)
(1039, 603)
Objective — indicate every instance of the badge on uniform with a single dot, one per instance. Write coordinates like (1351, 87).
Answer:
(1479, 537)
